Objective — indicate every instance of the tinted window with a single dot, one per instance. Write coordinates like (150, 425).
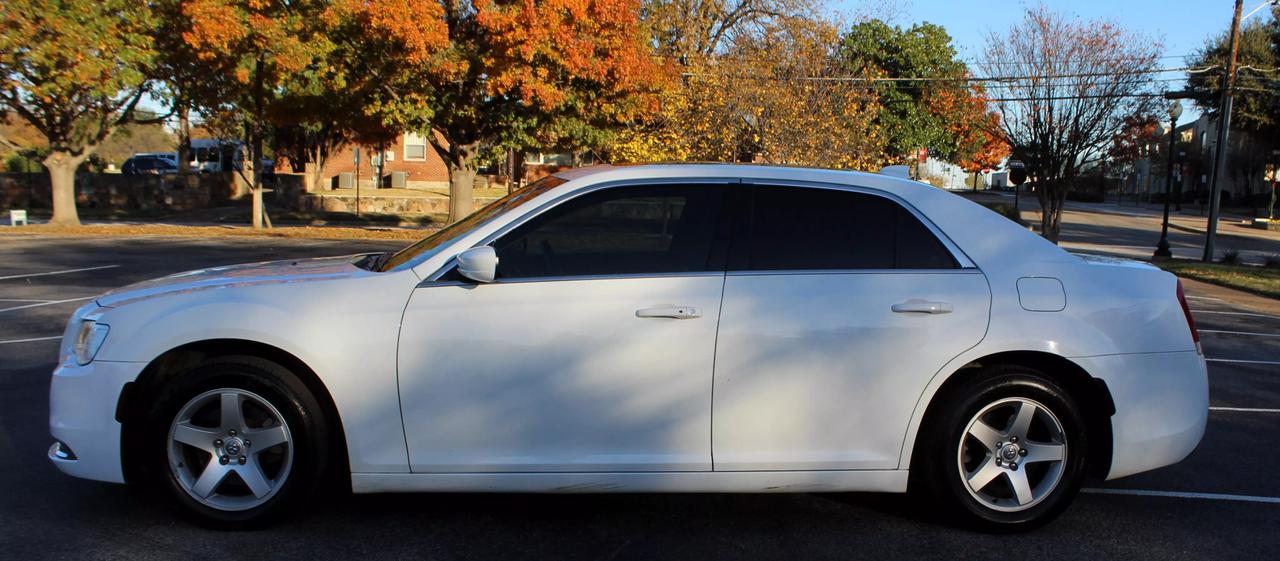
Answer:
(806, 228)
(624, 230)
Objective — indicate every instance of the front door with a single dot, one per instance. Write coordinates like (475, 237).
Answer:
(839, 307)
(591, 351)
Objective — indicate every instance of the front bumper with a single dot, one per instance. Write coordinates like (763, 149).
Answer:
(82, 418)
(1162, 405)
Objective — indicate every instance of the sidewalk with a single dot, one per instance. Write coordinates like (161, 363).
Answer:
(1237, 298)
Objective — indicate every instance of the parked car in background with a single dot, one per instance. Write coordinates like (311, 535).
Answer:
(861, 333)
(150, 164)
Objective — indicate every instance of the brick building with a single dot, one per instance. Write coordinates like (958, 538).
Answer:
(409, 153)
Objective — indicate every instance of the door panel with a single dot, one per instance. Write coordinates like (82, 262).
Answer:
(592, 352)
(560, 375)
(817, 372)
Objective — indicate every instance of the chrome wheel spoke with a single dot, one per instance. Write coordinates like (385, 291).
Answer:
(253, 477)
(195, 436)
(1022, 420)
(232, 414)
(1043, 452)
(988, 436)
(209, 480)
(1021, 486)
(262, 439)
(988, 472)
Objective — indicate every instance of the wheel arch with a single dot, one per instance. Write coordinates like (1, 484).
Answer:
(1090, 393)
(138, 394)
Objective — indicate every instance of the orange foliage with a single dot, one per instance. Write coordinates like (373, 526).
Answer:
(965, 111)
(537, 48)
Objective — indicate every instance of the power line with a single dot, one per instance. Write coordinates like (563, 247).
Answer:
(971, 79)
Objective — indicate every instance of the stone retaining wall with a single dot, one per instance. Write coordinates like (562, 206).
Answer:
(381, 205)
(117, 192)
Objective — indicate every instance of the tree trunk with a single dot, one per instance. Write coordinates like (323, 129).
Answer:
(1052, 198)
(184, 141)
(462, 176)
(318, 159)
(62, 177)
(256, 161)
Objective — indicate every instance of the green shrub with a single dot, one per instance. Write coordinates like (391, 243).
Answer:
(19, 163)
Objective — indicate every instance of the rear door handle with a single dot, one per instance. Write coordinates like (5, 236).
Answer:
(918, 306)
(673, 312)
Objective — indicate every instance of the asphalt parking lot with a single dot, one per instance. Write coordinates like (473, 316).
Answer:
(1221, 503)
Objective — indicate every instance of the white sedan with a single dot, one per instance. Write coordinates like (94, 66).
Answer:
(669, 328)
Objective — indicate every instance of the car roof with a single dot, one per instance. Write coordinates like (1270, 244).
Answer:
(989, 239)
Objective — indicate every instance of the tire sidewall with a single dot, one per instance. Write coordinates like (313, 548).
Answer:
(269, 381)
(1002, 383)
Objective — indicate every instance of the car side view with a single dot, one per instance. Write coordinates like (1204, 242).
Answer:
(659, 328)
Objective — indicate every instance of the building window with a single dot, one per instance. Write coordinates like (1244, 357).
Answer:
(415, 147)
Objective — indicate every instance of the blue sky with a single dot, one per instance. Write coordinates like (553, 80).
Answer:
(1182, 26)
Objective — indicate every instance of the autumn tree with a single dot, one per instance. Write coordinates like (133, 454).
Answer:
(483, 72)
(697, 29)
(1069, 86)
(75, 70)
(774, 97)
(250, 50)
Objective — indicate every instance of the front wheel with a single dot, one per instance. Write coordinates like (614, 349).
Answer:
(235, 442)
(1006, 452)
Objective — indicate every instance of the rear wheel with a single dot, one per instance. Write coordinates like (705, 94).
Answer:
(236, 441)
(1006, 452)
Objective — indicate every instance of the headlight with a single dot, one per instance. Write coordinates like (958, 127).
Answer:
(88, 340)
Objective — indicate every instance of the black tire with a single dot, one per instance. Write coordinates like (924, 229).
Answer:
(937, 467)
(299, 413)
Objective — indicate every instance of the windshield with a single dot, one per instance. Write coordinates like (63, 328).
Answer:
(429, 245)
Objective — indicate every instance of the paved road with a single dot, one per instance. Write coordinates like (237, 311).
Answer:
(46, 515)
(1132, 231)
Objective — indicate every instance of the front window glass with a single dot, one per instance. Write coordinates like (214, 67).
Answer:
(431, 244)
(622, 230)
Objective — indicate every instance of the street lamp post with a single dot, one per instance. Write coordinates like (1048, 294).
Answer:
(1162, 247)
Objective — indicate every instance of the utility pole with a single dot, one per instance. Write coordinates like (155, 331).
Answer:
(1224, 125)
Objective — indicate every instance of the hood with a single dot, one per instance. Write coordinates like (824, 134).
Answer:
(249, 274)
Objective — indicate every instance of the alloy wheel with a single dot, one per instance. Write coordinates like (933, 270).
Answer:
(230, 449)
(1012, 454)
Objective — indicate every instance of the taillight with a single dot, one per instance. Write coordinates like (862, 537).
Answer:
(1191, 322)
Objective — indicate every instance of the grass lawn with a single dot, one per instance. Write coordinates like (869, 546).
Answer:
(1258, 280)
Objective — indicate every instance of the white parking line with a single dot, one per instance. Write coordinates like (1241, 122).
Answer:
(1235, 314)
(31, 340)
(50, 303)
(22, 300)
(1249, 333)
(1189, 297)
(59, 272)
(1244, 410)
(1228, 360)
(1184, 495)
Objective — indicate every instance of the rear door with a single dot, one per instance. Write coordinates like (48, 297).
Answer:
(839, 306)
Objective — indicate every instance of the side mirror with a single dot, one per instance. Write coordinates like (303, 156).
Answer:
(479, 264)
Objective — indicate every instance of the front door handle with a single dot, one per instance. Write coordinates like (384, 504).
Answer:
(673, 312)
(918, 306)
